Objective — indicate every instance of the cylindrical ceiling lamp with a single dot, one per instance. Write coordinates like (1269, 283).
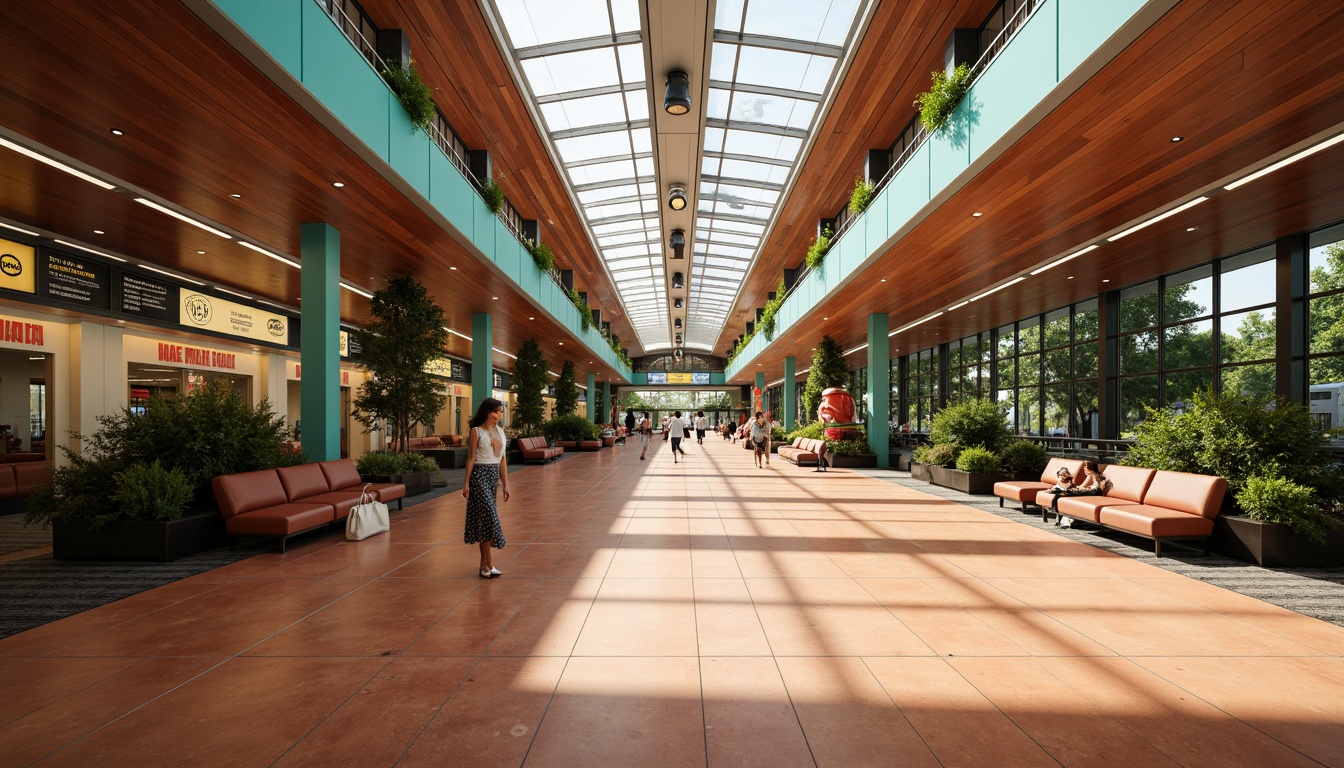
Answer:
(677, 97)
(676, 198)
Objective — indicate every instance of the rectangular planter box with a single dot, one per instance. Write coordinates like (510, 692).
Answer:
(416, 482)
(158, 541)
(867, 461)
(1272, 544)
(922, 472)
(974, 483)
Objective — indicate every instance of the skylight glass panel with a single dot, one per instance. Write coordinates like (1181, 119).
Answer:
(771, 110)
(600, 172)
(637, 104)
(741, 169)
(624, 12)
(632, 62)
(538, 22)
(580, 148)
(580, 113)
(738, 142)
(818, 22)
(723, 62)
(599, 212)
(627, 250)
(577, 71)
(589, 196)
(776, 68)
(716, 103)
(623, 239)
(641, 140)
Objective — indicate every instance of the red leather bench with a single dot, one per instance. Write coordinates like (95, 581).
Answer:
(1154, 504)
(1024, 491)
(536, 449)
(802, 451)
(18, 481)
(284, 502)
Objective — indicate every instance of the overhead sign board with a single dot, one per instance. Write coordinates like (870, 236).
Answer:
(18, 266)
(197, 310)
(75, 280)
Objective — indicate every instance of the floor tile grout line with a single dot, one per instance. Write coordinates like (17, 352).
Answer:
(1019, 726)
(897, 706)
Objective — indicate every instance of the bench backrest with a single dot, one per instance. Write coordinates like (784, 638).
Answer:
(302, 481)
(798, 442)
(531, 443)
(1130, 482)
(28, 476)
(1056, 463)
(8, 487)
(247, 491)
(340, 474)
(1185, 492)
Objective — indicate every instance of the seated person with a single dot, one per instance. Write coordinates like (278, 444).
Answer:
(1063, 481)
(1094, 484)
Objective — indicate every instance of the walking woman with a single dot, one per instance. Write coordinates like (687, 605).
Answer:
(486, 469)
(645, 431)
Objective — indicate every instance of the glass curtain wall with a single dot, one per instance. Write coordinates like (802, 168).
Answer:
(1325, 326)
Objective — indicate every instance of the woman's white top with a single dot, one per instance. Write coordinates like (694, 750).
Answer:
(487, 452)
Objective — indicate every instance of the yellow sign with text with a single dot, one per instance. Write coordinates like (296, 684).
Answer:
(18, 267)
(679, 378)
(214, 314)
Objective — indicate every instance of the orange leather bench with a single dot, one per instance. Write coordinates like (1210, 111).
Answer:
(536, 449)
(284, 502)
(18, 481)
(802, 451)
(1154, 504)
(1024, 491)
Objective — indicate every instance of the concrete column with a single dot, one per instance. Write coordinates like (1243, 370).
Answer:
(482, 370)
(790, 393)
(606, 399)
(319, 342)
(760, 384)
(879, 390)
(592, 397)
(98, 379)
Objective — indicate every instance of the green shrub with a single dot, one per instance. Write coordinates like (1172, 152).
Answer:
(581, 304)
(977, 459)
(542, 255)
(971, 422)
(415, 96)
(150, 492)
(414, 462)
(812, 431)
(940, 455)
(379, 464)
(77, 493)
(937, 104)
(492, 194)
(572, 427)
(1275, 499)
(778, 436)
(816, 252)
(862, 196)
(848, 447)
(1023, 457)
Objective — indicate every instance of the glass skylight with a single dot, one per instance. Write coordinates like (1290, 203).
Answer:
(583, 62)
(771, 64)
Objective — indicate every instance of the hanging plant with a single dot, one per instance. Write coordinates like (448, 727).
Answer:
(862, 195)
(585, 314)
(416, 97)
(493, 195)
(542, 255)
(767, 323)
(936, 104)
(816, 252)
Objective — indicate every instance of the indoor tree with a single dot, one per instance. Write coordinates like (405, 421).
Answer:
(566, 391)
(828, 370)
(529, 376)
(404, 333)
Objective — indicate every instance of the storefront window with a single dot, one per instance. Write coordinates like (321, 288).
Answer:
(1325, 322)
(23, 401)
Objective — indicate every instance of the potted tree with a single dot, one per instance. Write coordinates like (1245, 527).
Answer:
(412, 470)
(828, 370)
(957, 428)
(569, 431)
(530, 377)
(404, 333)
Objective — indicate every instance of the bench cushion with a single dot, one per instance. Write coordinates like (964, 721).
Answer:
(1082, 507)
(388, 491)
(280, 519)
(341, 474)
(1022, 491)
(302, 481)
(1185, 492)
(341, 501)
(29, 475)
(248, 491)
(1155, 522)
(9, 489)
(1130, 483)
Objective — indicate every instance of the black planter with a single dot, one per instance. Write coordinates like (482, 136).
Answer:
(1272, 544)
(862, 461)
(416, 482)
(974, 483)
(923, 472)
(158, 541)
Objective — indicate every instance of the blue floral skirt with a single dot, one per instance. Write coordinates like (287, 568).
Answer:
(482, 516)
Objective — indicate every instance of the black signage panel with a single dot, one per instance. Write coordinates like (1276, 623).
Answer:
(75, 280)
(459, 371)
(148, 298)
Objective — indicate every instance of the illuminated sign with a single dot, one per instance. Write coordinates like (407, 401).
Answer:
(18, 267)
(213, 314)
(19, 332)
(197, 356)
(659, 377)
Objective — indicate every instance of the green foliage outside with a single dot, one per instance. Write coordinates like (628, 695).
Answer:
(849, 447)
(571, 428)
(196, 437)
(493, 195)
(566, 391)
(585, 314)
(977, 459)
(982, 423)
(767, 323)
(415, 96)
(828, 370)
(387, 463)
(816, 252)
(778, 436)
(862, 196)
(940, 455)
(1023, 457)
(937, 104)
(404, 333)
(1327, 317)
(813, 430)
(531, 380)
(542, 255)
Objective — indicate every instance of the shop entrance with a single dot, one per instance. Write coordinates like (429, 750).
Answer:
(25, 404)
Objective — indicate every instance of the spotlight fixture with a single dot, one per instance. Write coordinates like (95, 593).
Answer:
(676, 198)
(678, 243)
(678, 280)
(676, 303)
(677, 96)
(676, 323)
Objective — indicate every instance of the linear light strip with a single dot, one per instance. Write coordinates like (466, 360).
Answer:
(170, 274)
(1157, 218)
(502, 352)
(1014, 281)
(859, 348)
(1308, 152)
(234, 293)
(181, 217)
(353, 289)
(959, 306)
(1073, 255)
(20, 229)
(90, 250)
(456, 333)
(55, 164)
(917, 322)
(275, 256)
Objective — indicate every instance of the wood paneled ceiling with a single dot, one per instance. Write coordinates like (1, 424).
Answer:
(1243, 84)
(202, 123)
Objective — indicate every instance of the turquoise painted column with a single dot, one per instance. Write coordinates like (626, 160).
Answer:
(760, 384)
(879, 388)
(606, 400)
(319, 342)
(790, 393)
(482, 370)
(590, 395)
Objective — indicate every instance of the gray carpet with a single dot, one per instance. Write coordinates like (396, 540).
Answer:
(1317, 592)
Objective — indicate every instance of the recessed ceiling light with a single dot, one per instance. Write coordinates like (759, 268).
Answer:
(236, 196)
(825, 318)
(117, 132)
(494, 298)
(1105, 281)
(531, 318)
(1190, 229)
(338, 184)
(977, 214)
(1070, 277)
(453, 268)
(200, 253)
(884, 279)
(562, 343)
(1175, 139)
(98, 232)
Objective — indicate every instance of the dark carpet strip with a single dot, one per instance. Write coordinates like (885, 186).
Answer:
(1317, 592)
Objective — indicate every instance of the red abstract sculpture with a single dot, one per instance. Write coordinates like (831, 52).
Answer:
(837, 407)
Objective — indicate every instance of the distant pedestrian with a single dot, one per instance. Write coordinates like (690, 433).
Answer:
(645, 431)
(629, 422)
(760, 439)
(676, 430)
(701, 426)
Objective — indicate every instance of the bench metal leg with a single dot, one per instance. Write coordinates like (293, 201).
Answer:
(1157, 547)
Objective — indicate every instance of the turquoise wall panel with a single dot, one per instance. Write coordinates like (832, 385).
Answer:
(909, 191)
(1017, 81)
(276, 27)
(875, 220)
(1085, 24)
(340, 78)
(641, 378)
(408, 149)
(949, 148)
(485, 223)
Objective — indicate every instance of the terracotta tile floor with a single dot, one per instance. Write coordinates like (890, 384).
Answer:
(707, 612)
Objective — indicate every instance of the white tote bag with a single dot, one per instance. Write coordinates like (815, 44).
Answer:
(368, 518)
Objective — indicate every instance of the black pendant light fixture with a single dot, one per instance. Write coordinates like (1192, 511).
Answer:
(678, 243)
(676, 197)
(677, 97)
